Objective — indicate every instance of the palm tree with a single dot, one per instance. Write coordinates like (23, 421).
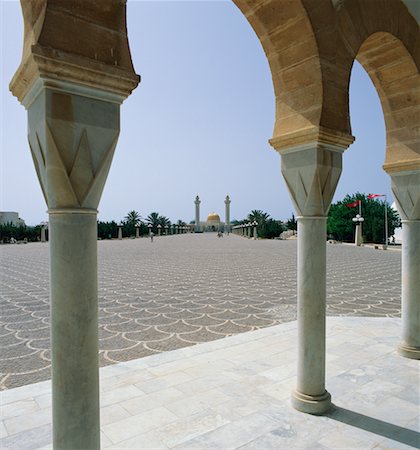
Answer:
(132, 218)
(163, 220)
(129, 223)
(258, 215)
(153, 219)
(291, 224)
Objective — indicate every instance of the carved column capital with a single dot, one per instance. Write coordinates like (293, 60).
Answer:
(72, 140)
(312, 174)
(311, 165)
(75, 72)
(406, 189)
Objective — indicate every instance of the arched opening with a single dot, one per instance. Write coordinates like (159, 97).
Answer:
(201, 126)
(367, 153)
(395, 74)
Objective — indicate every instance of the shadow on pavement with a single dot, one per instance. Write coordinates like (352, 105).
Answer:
(376, 426)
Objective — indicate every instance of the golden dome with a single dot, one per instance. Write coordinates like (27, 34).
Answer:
(213, 217)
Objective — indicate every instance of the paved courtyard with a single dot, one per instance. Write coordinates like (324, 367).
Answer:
(179, 291)
(234, 393)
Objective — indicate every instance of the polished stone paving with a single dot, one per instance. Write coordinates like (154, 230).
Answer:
(179, 291)
(233, 393)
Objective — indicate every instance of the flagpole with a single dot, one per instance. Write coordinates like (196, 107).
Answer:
(386, 223)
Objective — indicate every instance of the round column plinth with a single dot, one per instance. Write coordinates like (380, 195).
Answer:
(409, 352)
(311, 404)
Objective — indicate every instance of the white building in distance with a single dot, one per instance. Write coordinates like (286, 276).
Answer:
(7, 217)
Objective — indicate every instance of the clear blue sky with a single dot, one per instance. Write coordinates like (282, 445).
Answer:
(198, 123)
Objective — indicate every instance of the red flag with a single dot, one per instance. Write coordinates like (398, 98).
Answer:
(376, 195)
(354, 204)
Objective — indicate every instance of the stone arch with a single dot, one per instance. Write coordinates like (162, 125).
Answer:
(348, 29)
(385, 38)
(395, 76)
(286, 34)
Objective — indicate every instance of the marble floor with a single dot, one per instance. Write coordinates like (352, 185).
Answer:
(234, 393)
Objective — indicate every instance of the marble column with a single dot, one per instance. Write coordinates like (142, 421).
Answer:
(137, 232)
(74, 328)
(43, 238)
(73, 129)
(72, 90)
(358, 240)
(72, 152)
(197, 213)
(406, 190)
(310, 394)
(227, 213)
(311, 170)
(119, 232)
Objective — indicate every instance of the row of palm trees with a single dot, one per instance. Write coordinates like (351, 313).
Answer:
(133, 224)
(133, 219)
(267, 226)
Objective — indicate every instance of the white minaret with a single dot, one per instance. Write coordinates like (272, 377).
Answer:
(227, 213)
(197, 213)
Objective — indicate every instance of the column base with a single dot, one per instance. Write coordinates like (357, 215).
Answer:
(408, 352)
(311, 404)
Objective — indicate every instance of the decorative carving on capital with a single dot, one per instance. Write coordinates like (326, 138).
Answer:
(312, 174)
(72, 141)
(406, 189)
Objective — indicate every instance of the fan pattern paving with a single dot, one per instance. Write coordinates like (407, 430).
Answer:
(179, 291)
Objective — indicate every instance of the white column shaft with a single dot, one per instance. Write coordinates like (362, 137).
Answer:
(310, 395)
(410, 289)
(197, 216)
(311, 291)
(358, 235)
(74, 331)
(227, 216)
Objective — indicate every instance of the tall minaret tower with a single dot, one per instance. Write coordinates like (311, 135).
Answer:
(197, 213)
(227, 213)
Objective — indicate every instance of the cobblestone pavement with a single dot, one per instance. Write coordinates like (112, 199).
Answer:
(179, 291)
